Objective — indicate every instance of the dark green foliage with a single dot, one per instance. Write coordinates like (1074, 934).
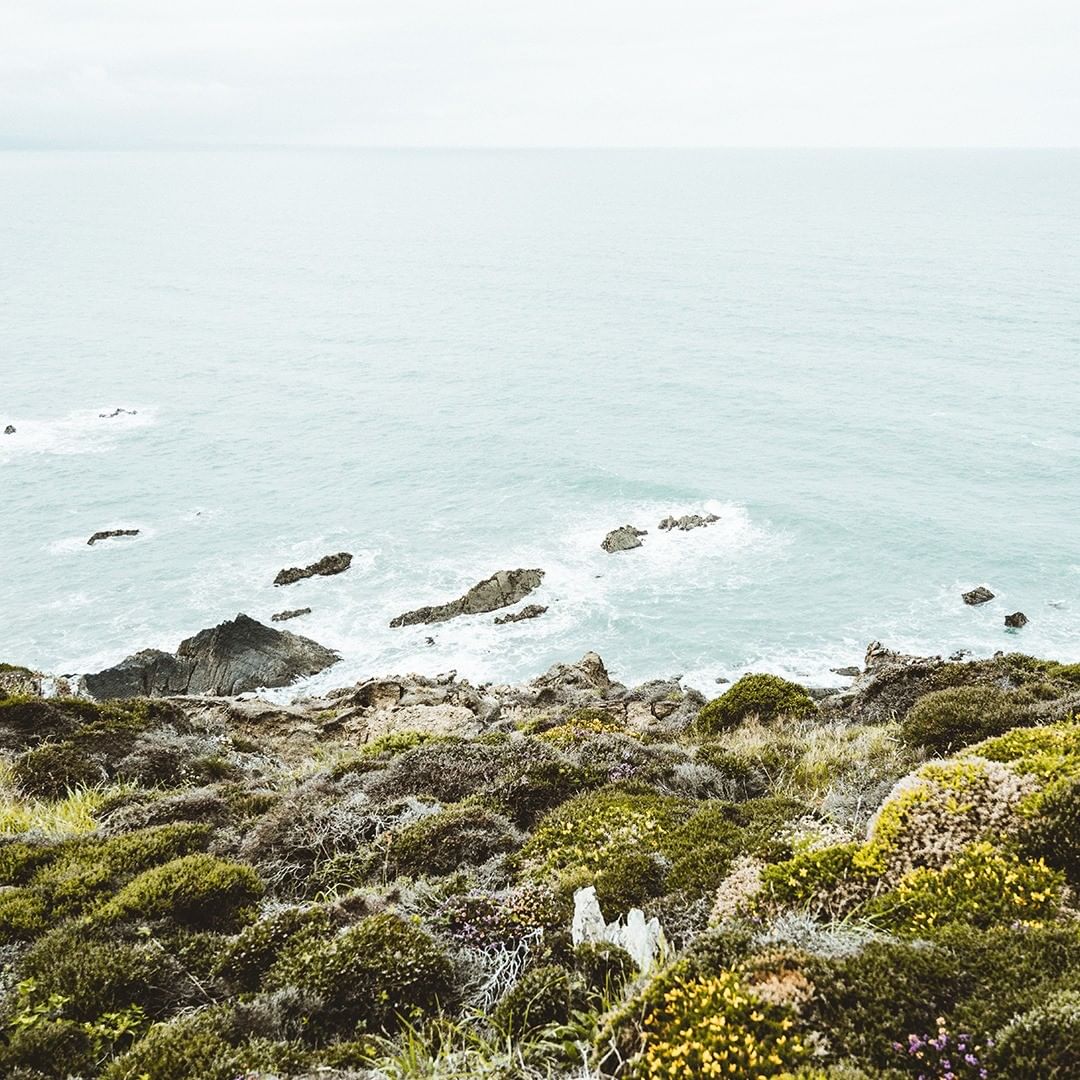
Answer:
(53, 769)
(945, 720)
(22, 915)
(250, 955)
(51, 1048)
(19, 860)
(763, 696)
(544, 995)
(198, 891)
(627, 879)
(1042, 1044)
(1052, 832)
(194, 1048)
(371, 975)
(605, 967)
(441, 843)
(747, 776)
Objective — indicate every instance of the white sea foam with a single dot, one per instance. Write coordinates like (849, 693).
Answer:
(82, 431)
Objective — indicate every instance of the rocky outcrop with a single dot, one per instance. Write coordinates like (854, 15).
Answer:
(687, 522)
(327, 565)
(1016, 619)
(571, 684)
(979, 595)
(107, 534)
(529, 611)
(624, 538)
(498, 591)
(293, 613)
(117, 412)
(232, 658)
(10, 429)
(851, 672)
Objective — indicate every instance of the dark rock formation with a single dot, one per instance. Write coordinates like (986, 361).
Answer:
(281, 616)
(624, 538)
(570, 683)
(10, 429)
(108, 533)
(848, 672)
(327, 565)
(687, 522)
(498, 591)
(1016, 619)
(117, 412)
(979, 595)
(529, 611)
(231, 658)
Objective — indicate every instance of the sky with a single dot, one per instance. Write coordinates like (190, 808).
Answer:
(118, 73)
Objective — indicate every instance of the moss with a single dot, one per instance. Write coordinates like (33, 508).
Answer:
(1051, 829)
(945, 720)
(245, 959)
(763, 696)
(198, 891)
(371, 975)
(441, 843)
(1043, 1043)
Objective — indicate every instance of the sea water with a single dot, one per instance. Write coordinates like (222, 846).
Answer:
(450, 363)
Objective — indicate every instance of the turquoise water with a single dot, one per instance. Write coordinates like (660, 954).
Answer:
(450, 363)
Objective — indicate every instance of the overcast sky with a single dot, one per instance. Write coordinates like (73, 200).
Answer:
(543, 73)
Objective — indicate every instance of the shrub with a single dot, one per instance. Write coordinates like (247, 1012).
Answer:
(50, 1047)
(545, 995)
(192, 1048)
(54, 769)
(22, 914)
(441, 843)
(370, 975)
(983, 886)
(250, 955)
(1051, 830)
(627, 879)
(198, 891)
(945, 720)
(764, 696)
(605, 967)
(1042, 1044)
(826, 881)
(715, 1027)
(1046, 753)
(482, 919)
(958, 1056)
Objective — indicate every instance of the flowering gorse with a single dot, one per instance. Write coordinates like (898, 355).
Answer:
(945, 1056)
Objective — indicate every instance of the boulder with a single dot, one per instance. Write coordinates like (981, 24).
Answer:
(687, 522)
(10, 429)
(1016, 619)
(109, 533)
(979, 595)
(327, 565)
(624, 538)
(231, 658)
(529, 611)
(851, 672)
(572, 684)
(292, 613)
(498, 591)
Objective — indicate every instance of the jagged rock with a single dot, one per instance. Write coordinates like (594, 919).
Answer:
(498, 591)
(572, 684)
(624, 538)
(282, 616)
(687, 522)
(529, 611)
(10, 429)
(109, 533)
(231, 658)
(978, 595)
(1016, 619)
(117, 412)
(327, 565)
(851, 672)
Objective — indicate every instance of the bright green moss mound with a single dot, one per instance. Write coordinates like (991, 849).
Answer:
(763, 696)
(945, 720)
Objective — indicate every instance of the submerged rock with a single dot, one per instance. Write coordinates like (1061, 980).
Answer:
(109, 533)
(687, 522)
(624, 538)
(327, 565)
(529, 611)
(979, 595)
(117, 412)
(231, 658)
(10, 429)
(498, 591)
(1016, 619)
(281, 616)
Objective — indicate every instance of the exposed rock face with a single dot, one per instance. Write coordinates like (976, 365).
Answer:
(624, 538)
(529, 611)
(1016, 619)
(293, 613)
(109, 533)
(978, 595)
(687, 522)
(327, 565)
(232, 658)
(10, 429)
(498, 591)
(571, 683)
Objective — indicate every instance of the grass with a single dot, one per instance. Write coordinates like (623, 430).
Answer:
(69, 816)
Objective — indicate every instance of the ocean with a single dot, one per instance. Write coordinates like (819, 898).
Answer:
(454, 362)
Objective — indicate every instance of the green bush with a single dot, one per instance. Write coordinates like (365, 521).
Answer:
(627, 879)
(1042, 1044)
(22, 915)
(192, 1048)
(826, 881)
(371, 975)
(51, 1048)
(763, 696)
(442, 843)
(945, 720)
(605, 967)
(198, 891)
(245, 959)
(544, 995)
(52, 770)
(1051, 831)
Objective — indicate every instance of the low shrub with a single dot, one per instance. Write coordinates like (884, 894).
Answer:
(946, 720)
(627, 879)
(1051, 829)
(824, 881)
(191, 1048)
(1041, 1044)
(442, 843)
(605, 967)
(48, 1048)
(52, 770)
(544, 995)
(245, 959)
(198, 891)
(483, 919)
(959, 1056)
(763, 696)
(1046, 753)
